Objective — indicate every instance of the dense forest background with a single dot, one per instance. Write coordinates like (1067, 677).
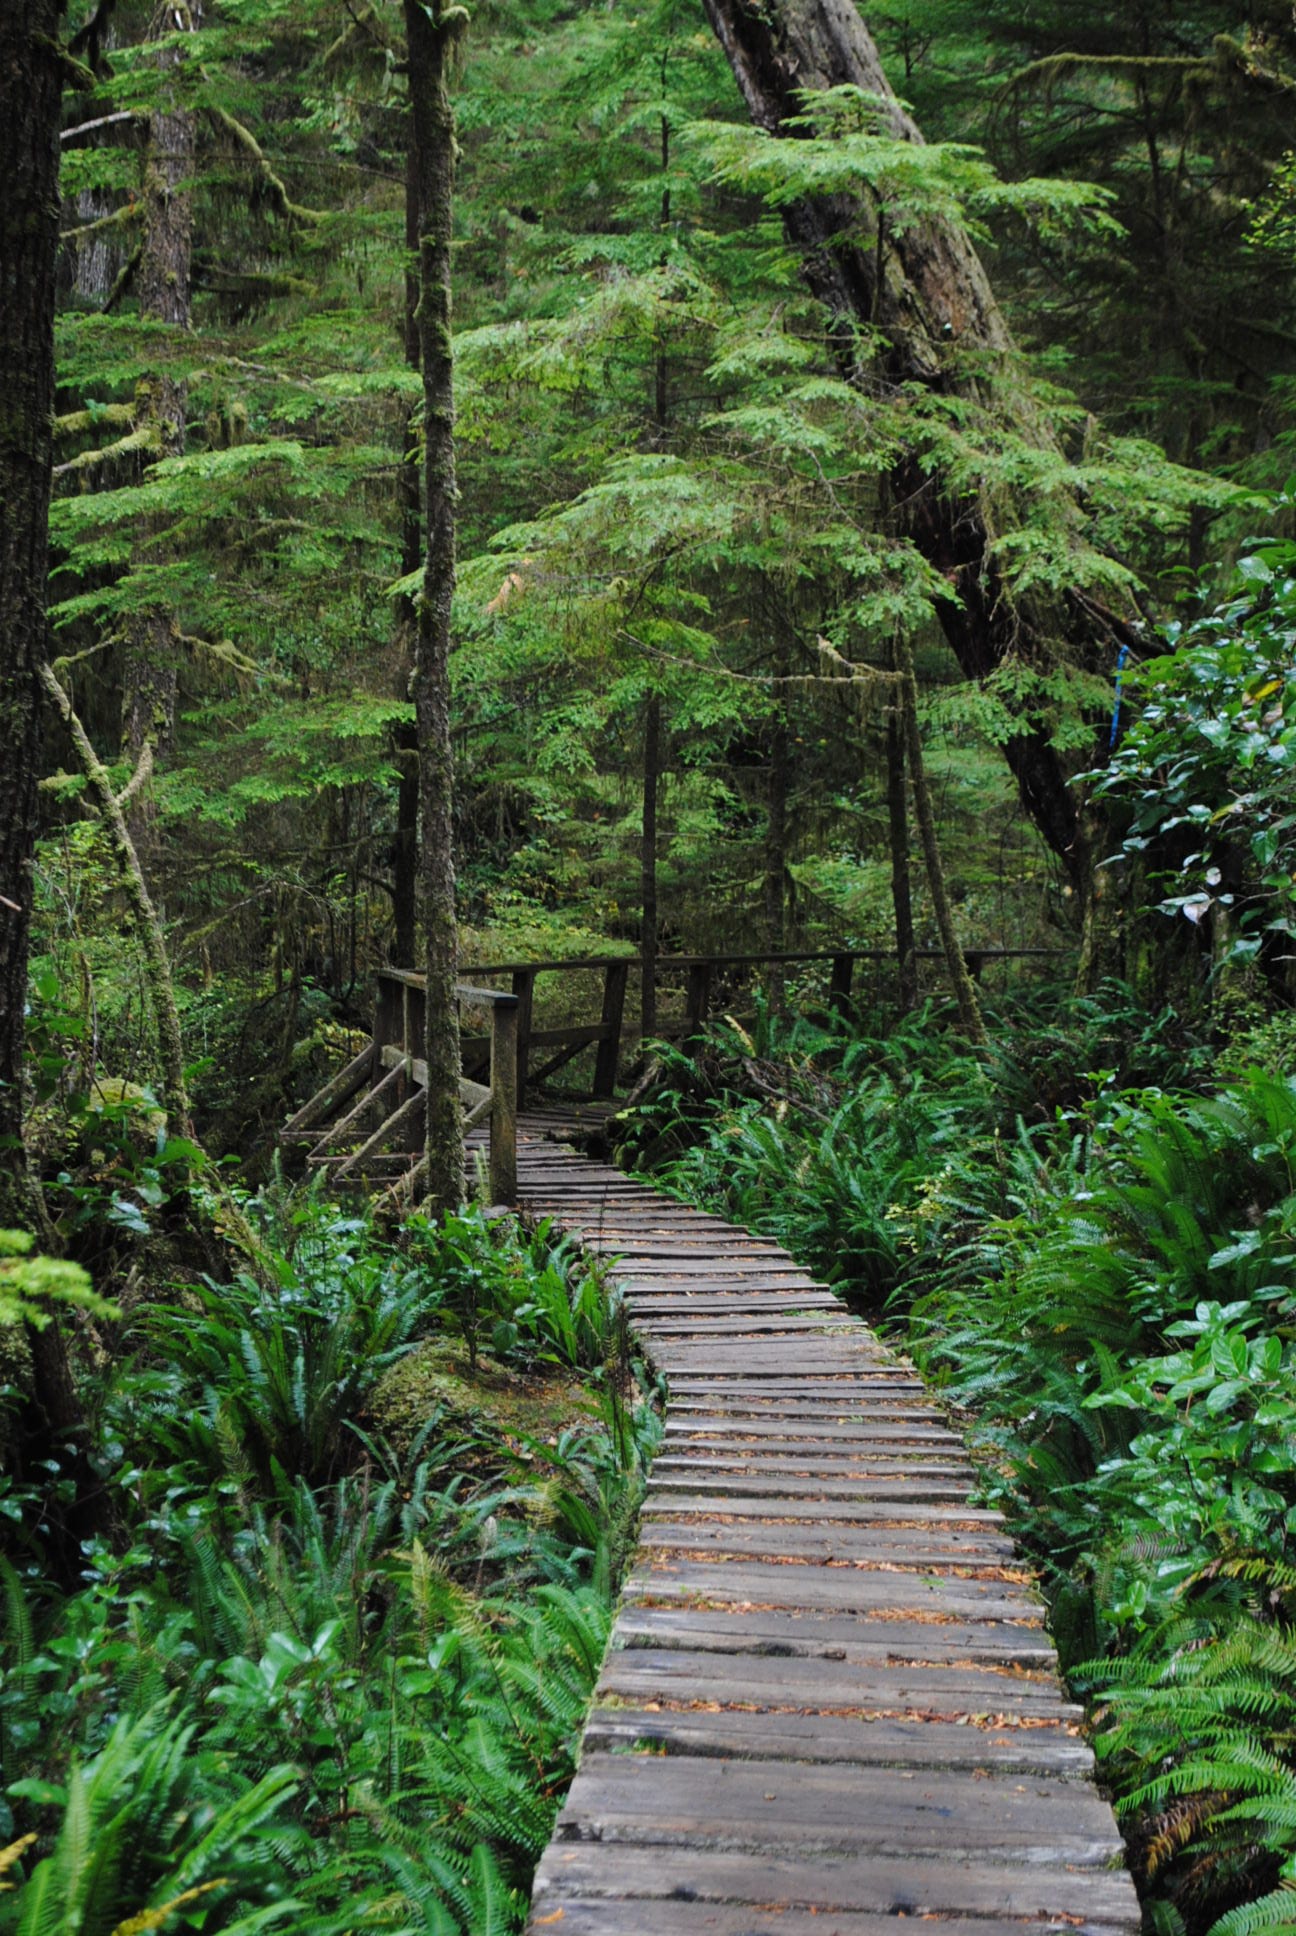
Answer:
(670, 489)
(872, 532)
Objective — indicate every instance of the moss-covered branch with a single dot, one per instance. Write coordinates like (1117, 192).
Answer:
(290, 210)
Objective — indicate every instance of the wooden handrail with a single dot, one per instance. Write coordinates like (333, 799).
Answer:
(398, 1024)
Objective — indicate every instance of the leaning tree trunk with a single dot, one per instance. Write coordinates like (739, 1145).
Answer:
(924, 287)
(431, 38)
(30, 98)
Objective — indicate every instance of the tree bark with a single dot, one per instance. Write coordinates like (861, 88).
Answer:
(164, 282)
(901, 891)
(925, 288)
(775, 885)
(960, 980)
(431, 37)
(648, 868)
(405, 858)
(30, 101)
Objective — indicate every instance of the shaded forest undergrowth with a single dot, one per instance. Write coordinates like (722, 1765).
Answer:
(341, 1591)
(1085, 1239)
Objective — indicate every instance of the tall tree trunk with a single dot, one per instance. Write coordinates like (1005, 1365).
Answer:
(163, 281)
(775, 885)
(648, 867)
(924, 287)
(901, 892)
(30, 99)
(405, 859)
(960, 980)
(431, 37)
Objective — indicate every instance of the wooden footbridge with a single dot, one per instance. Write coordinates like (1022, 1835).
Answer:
(830, 1703)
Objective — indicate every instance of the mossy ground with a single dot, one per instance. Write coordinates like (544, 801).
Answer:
(501, 1413)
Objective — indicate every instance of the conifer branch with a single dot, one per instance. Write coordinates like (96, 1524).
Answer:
(290, 210)
(100, 121)
(128, 212)
(146, 438)
(77, 423)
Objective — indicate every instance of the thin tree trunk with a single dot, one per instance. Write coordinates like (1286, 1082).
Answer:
(431, 37)
(30, 99)
(924, 287)
(775, 886)
(113, 808)
(164, 280)
(901, 892)
(960, 980)
(405, 859)
(648, 867)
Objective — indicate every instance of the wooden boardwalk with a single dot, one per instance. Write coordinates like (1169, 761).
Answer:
(830, 1702)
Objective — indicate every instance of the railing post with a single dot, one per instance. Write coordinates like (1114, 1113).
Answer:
(839, 987)
(697, 998)
(615, 976)
(504, 1100)
(524, 989)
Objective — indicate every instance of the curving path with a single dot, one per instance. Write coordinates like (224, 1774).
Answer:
(830, 1702)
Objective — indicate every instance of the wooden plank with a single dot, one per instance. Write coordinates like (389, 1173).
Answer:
(774, 1631)
(822, 1501)
(404, 1115)
(890, 1886)
(877, 1740)
(599, 1916)
(774, 1805)
(812, 1684)
(337, 1090)
(389, 1085)
(663, 1578)
(893, 1543)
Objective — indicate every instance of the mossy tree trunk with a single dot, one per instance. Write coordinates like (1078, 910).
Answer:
(776, 802)
(648, 916)
(164, 282)
(901, 889)
(961, 982)
(405, 642)
(30, 101)
(926, 290)
(432, 32)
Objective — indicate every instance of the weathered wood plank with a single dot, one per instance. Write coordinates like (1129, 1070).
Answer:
(746, 1630)
(809, 1682)
(889, 1886)
(785, 1806)
(877, 1740)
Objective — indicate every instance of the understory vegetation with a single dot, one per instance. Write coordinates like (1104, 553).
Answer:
(338, 1595)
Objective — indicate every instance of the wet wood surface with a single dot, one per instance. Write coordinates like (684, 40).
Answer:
(830, 1701)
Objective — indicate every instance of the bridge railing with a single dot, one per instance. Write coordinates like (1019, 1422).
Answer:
(542, 1051)
(369, 1119)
